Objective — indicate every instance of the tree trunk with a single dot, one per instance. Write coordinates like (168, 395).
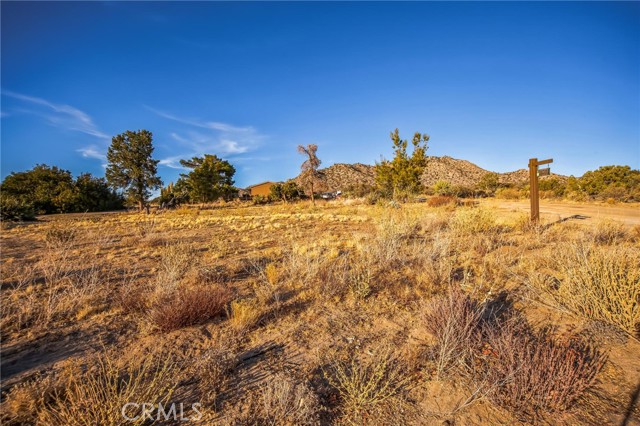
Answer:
(313, 198)
(140, 206)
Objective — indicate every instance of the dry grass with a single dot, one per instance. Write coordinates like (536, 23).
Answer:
(441, 200)
(472, 220)
(299, 285)
(602, 283)
(285, 401)
(244, 314)
(92, 397)
(367, 387)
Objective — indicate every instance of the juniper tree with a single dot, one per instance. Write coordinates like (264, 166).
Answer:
(210, 178)
(401, 176)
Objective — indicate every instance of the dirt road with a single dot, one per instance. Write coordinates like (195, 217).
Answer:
(628, 214)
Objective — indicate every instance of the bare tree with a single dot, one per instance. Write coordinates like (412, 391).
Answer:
(310, 167)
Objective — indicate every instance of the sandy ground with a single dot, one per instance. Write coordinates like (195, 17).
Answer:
(551, 211)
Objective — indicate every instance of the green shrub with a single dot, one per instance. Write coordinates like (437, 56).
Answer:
(443, 188)
(14, 209)
(260, 199)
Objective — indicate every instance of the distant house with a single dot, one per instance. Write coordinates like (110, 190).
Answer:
(243, 194)
(263, 188)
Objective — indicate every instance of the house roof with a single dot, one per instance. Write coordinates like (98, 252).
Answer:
(261, 183)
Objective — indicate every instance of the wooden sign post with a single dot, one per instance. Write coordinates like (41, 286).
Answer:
(534, 193)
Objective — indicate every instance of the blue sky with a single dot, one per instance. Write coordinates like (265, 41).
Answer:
(494, 83)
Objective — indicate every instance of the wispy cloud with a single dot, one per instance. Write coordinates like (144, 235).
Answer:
(94, 152)
(198, 137)
(173, 162)
(213, 125)
(61, 115)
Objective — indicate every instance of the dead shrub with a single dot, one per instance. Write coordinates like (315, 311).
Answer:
(453, 320)
(441, 200)
(132, 299)
(244, 314)
(25, 400)
(213, 369)
(189, 306)
(359, 275)
(284, 401)
(177, 260)
(60, 237)
(390, 238)
(534, 372)
(526, 371)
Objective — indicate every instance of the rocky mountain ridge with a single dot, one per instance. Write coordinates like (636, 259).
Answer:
(455, 171)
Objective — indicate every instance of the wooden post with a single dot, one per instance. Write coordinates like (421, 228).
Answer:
(533, 189)
(534, 193)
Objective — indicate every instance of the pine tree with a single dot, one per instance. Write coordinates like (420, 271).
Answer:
(131, 167)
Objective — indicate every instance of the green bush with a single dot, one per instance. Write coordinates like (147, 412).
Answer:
(52, 190)
(597, 181)
(260, 199)
(443, 188)
(15, 210)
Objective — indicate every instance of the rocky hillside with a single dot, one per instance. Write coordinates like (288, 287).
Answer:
(340, 176)
(522, 175)
(457, 172)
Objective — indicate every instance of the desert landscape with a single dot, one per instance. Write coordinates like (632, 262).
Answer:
(297, 213)
(342, 313)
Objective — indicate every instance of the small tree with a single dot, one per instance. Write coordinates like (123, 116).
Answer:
(285, 191)
(210, 178)
(310, 167)
(131, 167)
(401, 176)
(93, 194)
(489, 182)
